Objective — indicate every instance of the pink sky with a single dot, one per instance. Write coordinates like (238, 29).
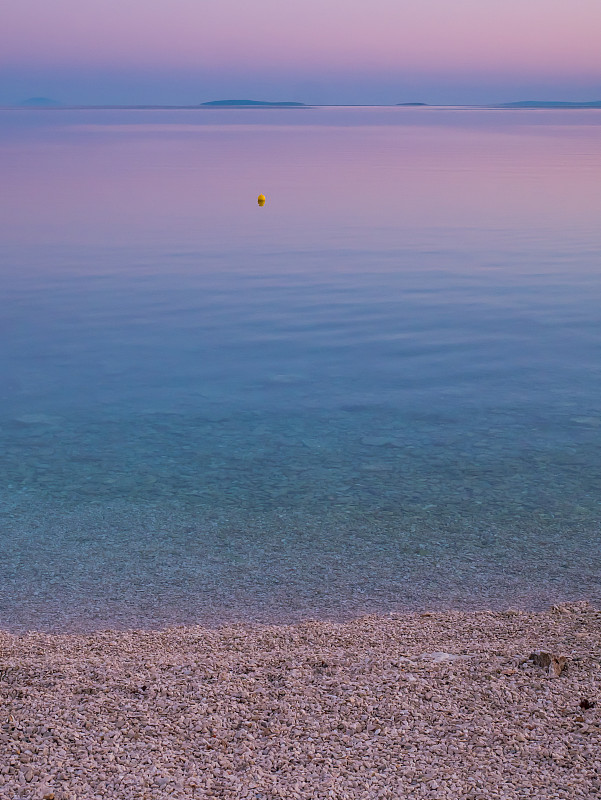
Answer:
(187, 51)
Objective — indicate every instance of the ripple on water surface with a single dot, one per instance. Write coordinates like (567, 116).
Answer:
(212, 411)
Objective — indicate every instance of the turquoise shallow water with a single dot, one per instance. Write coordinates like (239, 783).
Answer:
(380, 391)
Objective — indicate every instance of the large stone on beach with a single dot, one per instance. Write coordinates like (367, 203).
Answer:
(440, 657)
(552, 664)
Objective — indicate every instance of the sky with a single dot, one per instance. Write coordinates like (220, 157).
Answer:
(314, 51)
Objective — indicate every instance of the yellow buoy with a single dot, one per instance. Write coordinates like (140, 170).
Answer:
(261, 199)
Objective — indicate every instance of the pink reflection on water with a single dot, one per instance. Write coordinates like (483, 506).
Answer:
(189, 185)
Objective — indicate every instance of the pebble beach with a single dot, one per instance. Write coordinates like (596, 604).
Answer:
(463, 705)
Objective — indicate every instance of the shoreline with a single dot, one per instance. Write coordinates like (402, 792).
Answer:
(416, 705)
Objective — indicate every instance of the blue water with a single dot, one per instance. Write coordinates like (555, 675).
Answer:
(379, 391)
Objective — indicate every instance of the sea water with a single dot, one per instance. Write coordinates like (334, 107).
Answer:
(380, 391)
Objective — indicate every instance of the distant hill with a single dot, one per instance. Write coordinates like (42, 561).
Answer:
(40, 102)
(412, 104)
(550, 104)
(252, 104)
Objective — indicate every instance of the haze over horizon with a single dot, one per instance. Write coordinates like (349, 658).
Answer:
(327, 51)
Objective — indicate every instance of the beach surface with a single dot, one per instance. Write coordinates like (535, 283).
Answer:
(430, 705)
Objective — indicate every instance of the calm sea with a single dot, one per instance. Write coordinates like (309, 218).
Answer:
(380, 391)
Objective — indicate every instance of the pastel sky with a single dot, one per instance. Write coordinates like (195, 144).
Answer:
(315, 51)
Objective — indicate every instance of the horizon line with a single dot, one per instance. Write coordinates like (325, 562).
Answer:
(296, 105)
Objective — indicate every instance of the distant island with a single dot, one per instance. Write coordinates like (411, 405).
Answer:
(49, 103)
(252, 104)
(40, 102)
(550, 104)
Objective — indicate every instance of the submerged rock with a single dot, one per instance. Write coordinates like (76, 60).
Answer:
(381, 441)
(37, 419)
(593, 422)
